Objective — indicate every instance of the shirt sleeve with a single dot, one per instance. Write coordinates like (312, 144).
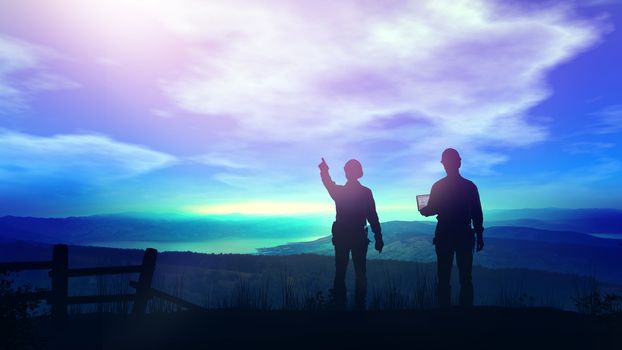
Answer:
(330, 185)
(432, 207)
(372, 216)
(476, 212)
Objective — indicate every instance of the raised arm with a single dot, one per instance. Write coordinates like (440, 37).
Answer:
(330, 185)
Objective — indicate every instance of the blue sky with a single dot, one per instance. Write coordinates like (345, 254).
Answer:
(195, 107)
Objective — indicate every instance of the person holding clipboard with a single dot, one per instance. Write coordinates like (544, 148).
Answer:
(455, 201)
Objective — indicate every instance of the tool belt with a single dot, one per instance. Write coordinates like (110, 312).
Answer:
(344, 233)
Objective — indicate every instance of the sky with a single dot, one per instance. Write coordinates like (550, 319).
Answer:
(216, 107)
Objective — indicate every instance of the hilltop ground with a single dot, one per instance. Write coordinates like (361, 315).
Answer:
(262, 284)
(482, 327)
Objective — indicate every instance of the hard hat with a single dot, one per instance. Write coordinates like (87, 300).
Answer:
(353, 169)
(450, 154)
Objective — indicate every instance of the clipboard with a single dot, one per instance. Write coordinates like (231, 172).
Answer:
(422, 201)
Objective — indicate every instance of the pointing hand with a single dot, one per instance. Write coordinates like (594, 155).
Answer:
(323, 166)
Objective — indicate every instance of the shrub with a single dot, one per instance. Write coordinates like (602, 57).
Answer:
(15, 311)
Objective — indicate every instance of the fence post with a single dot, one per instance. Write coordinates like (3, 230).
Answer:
(60, 281)
(144, 281)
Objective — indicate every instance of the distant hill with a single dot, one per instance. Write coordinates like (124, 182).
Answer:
(540, 240)
(78, 230)
(589, 220)
(506, 246)
(227, 280)
(550, 236)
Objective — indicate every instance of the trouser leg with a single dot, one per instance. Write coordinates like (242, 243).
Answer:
(444, 262)
(359, 259)
(342, 255)
(464, 260)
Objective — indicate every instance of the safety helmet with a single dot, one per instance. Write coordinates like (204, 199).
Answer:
(353, 169)
(450, 155)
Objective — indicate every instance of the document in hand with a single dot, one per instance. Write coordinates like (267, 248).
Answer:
(422, 201)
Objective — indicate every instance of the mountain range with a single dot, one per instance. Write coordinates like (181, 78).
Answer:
(558, 240)
(506, 247)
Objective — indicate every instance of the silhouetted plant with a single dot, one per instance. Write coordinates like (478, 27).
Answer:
(592, 301)
(552, 300)
(587, 297)
(251, 297)
(212, 301)
(157, 305)
(527, 300)
(390, 296)
(513, 296)
(102, 289)
(174, 288)
(178, 289)
(316, 302)
(75, 309)
(313, 298)
(15, 311)
(121, 286)
(289, 297)
(425, 289)
(106, 285)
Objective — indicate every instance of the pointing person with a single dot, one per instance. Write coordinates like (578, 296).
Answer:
(355, 207)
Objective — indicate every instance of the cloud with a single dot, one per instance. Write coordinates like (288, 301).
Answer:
(48, 82)
(221, 160)
(586, 147)
(83, 158)
(23, 73)
(106, 61)
(162, 113)
(590, 3)
(298, 70)
(586, 185)
(607, 121)
(282, 83)
(421, 75)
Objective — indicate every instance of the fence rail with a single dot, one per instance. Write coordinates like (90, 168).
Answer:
(98, 271)
(25, 265)
(58, 297)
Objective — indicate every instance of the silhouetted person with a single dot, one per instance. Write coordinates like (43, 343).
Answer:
(355, 207)
(455, 201)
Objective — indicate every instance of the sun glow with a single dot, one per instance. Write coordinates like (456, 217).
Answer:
(262, 208)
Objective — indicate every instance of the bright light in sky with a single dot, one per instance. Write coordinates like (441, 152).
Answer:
(226, 106)
(262, 208)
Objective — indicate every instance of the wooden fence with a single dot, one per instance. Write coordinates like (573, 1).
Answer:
(58, 297)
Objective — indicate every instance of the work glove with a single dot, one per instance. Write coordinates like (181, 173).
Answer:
(379, 244)
(480, 242)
